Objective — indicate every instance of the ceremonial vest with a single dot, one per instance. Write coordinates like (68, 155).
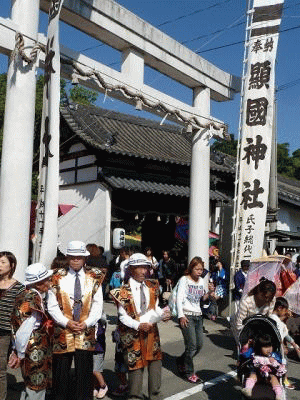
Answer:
(37, 365)
(66, 341)
(140, 347)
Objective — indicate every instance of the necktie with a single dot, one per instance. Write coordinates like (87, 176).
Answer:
(77, 298)
(45, 302)
(143, 300)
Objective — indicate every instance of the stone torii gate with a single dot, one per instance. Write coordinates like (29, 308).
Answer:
(140, 44)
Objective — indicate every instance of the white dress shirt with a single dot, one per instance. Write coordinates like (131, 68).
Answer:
(67, 284)
(136, 294)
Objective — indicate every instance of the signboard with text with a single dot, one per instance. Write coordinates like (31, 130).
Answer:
(256, 130)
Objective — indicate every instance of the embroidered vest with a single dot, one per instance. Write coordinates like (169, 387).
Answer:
(37, 365)
(140, 347)
(66, 341)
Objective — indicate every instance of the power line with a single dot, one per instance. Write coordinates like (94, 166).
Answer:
(170, 21)
(186, 16)
(92, 47)
(175, 20)
(218, 34)
(210, 34)
(201, 36)
(227, 27)
(243, 41)
(288, 85)
(207, 8)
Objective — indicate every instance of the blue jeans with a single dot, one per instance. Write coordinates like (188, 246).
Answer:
(193, 342)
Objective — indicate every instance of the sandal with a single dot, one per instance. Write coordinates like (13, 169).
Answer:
(193, 378)
(288, 384)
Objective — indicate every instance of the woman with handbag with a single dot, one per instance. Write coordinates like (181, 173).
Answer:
(190, 291)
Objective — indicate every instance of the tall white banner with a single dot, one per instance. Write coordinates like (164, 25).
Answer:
(47, 207)
(256, 133)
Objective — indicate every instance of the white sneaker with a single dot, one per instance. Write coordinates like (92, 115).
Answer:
(102, 392)
(95, 393)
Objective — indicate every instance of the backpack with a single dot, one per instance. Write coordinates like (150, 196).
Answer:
(172, 301)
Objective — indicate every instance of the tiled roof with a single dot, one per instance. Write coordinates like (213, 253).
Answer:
(157, 187)
(138, 137)
(289, 190)
(125, 134)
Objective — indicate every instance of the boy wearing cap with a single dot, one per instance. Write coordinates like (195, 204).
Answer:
(33, 334)
(139, 313)
(76, 310)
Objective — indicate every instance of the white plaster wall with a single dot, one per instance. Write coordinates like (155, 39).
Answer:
(288, 218)
(90, 219)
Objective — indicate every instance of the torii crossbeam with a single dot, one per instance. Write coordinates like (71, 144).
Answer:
(140, 44)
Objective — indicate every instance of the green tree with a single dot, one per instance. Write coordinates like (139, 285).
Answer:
(81, 95)
(296, 163)
(284, 162)
(226, 146)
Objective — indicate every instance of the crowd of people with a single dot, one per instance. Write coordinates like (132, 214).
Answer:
(56, 319)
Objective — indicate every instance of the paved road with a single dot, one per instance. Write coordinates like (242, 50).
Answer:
(215, 364)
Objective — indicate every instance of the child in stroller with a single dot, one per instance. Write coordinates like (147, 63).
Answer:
(260, 360)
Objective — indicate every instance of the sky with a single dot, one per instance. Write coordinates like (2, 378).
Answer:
(216, 30)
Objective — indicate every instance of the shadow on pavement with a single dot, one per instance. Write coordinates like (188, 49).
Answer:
(220, 340)
(169, 363)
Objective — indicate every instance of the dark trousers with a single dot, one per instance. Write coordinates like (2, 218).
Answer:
(135, 380)
(4, 345)
(83, 385)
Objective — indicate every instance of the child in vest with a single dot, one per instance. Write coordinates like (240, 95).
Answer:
(33, 331)
(121, 369)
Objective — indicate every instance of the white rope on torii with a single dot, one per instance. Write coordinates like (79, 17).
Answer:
(20, 49)
(140, 99)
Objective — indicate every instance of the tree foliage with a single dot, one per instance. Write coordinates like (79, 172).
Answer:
(81, 95)
(287, 165)
(226, 146)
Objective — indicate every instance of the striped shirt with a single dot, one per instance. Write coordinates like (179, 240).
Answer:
(247, 308)
(7, 302)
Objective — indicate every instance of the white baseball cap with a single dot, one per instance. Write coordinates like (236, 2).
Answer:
(77, 248)
(36, 273)
(138, 259)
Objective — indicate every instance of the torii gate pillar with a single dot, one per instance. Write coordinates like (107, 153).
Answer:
(17, 150)
(200, 180)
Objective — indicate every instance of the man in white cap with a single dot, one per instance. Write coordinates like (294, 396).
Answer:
(139, 313)
(78, 307)
(33, 332)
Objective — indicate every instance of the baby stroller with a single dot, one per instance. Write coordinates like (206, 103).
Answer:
(252, 327)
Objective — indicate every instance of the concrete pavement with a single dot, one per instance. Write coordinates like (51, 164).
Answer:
(215, 364)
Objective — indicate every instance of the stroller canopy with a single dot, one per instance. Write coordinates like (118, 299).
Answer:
(260, 324)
